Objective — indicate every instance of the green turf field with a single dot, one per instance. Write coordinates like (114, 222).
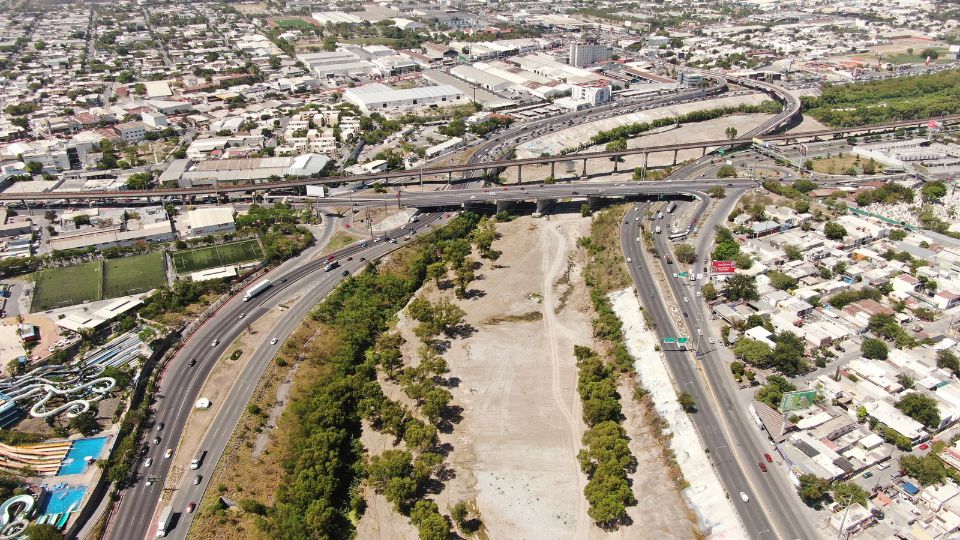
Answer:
(68, 286)
(292, 23)
(194, 260)
(134, 275)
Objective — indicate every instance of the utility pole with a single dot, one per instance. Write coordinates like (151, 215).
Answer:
(844, 520)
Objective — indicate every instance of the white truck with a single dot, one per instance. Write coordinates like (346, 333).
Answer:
(163, 524)
(198, 460)
(657, 229)
(258, 288)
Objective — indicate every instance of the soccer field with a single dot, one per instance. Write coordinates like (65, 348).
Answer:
(134, 275)
(194, 260)
(68, 286)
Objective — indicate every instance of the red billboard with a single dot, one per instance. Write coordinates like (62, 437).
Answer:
(724, 267)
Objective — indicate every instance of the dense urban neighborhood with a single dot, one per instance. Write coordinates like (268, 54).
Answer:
(293, 269)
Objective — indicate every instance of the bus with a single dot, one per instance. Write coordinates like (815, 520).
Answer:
(671, 208)
(676, 237)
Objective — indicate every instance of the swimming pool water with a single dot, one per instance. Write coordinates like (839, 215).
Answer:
(75, 462)
(63, 500)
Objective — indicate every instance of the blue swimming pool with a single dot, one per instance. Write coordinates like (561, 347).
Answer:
(76, 460)
(59, 501)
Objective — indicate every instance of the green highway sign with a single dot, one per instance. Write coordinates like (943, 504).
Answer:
(682, 274)
(669, 340)
(682, 340)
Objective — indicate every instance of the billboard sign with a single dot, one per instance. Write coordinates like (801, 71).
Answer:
(315, 191)
(801, 399)
(724, 267)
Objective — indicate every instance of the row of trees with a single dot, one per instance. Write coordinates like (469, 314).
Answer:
(814, 491)
(632, 130)
(904, 98)
(606, 457)
(322, 454)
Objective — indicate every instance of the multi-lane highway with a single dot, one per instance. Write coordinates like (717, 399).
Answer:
(181, 384)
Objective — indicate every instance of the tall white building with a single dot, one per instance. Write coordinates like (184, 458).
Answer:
(585, 54)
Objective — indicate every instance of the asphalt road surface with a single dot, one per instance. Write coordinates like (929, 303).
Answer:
(180, 386)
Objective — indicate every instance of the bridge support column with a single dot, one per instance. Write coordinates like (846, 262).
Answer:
(704, 154)
(505, 205)
(553, 169)
(594, 202)
(450, 177)
(544, 206)
(519, 174)
(584, 168)
(616, 161)
(675, 157)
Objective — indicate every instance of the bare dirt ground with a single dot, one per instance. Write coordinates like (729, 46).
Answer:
(809, 123)
(700, 131)
(514, 453)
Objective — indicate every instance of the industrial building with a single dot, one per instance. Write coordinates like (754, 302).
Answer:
(207, 221)
(189, 173)
(381, 98)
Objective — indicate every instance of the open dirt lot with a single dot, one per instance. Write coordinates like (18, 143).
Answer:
(514, 452)
(700, 131)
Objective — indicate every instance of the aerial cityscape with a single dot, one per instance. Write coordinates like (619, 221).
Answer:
(292, 269)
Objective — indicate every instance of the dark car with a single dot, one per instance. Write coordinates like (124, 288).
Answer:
(160, 426)
(192, 362)
(156, 440)
(345, 273)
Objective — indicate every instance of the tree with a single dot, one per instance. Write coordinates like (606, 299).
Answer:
(755, 353)
(34, 167)
(793, 252)
(687, 402)
(933, 191)
(618, 145)
(685, 253)
(788, 354)
(585, 210)
(946, 359)
(717, 192)
(834, 231)
(781, 281)
(921, 408)
(727, 171)
(874, 349)
(139, 180)
(930, 53)
(709, 292)
(731, 132)
(85, 423)
(459, 513)
(847, 493)
(929, 470)
(741, 287)
(813, 490)
(808, 164)
(436, 271)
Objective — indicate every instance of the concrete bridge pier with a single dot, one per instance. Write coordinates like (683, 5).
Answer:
(594, 202)
(505, 205)
(519, 174)
(616, 161)
(450, 177)
(553, 169)
(544, 206)
(584, 174)
(675, 157)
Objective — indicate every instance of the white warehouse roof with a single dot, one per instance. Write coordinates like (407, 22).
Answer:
(381, 93)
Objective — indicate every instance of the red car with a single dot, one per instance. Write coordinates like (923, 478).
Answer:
(191, 507)
(924, 446)
(768, 458)
(762, 467)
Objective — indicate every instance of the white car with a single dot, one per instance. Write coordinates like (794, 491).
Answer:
(744, 497)
(147, 462)
(629, 260)
(168, 453)
(712, 341)
(242, 315)
(273, 341)
(215, 342)
(685, 299)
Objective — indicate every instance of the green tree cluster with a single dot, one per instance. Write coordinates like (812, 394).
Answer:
(772, 392)
(322, 424)
(606, 456)
(921, 408)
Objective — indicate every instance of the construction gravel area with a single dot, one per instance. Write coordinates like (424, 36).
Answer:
(514, 452)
